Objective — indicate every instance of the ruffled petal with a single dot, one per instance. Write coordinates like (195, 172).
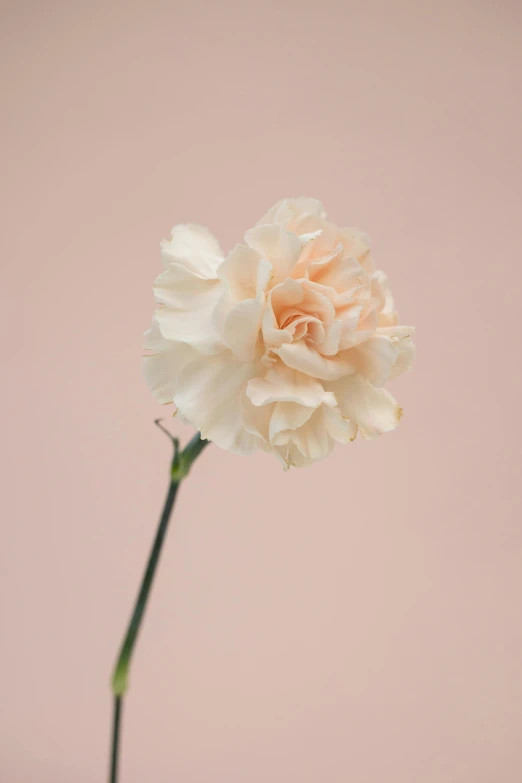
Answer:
(162, 367)
(340, 273)
(338, 427)
(273, 336)
(187, 301)
(387, 315)
(349, 318)
(153, 340)
(318, 302)
(195, 247)
(241, 329)
(278, 246)
(283, 384)
(374, 410)
(374, 359)
(287, 210)
(208, 394)
(312, 439)
(245, 273)
(365, 311)
(405, 344)
(306, 359)
(256, 419)
(290, 293)
(290, 456)
(287, 294)
(286, 418)
(239, 312)
(330, 344)
(357, 245)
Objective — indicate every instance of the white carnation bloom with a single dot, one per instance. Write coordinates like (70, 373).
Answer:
(285, 344)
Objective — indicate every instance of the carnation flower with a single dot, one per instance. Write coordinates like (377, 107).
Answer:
(285, 344)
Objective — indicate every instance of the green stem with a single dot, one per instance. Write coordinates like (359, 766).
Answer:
(180, 466)
(116, 728)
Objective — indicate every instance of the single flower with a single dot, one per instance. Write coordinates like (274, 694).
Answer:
(283, 345)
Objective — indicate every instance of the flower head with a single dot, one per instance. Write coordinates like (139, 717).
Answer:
(283, 345)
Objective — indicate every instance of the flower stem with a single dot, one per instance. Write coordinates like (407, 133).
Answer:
(116, 725)
(180, 466)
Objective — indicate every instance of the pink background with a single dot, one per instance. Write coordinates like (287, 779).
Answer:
(358, 621)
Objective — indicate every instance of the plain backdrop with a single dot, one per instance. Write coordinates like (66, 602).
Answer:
(357, 621)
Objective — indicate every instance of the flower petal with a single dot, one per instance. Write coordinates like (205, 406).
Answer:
(285, 211)
(193, 246)
(256, 419)
(273, 336)
(187, 301)
(283, 384)
(357, 244)
(406, 347)
(238, 314)
(241, 329)
(286, 418)
(303, 357)
(313, 439)
(208, 393)
(387, 315)
(290, 456)
(349, 318)
(330, 344)
(373, 410)
(341, 273)
(286, 294)
(338, 427)
(162, 368)
(280, 247)
(374, 358)
(245, 273)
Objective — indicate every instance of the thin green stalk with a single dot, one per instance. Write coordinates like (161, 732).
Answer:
(180, 466)
(116, 730)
